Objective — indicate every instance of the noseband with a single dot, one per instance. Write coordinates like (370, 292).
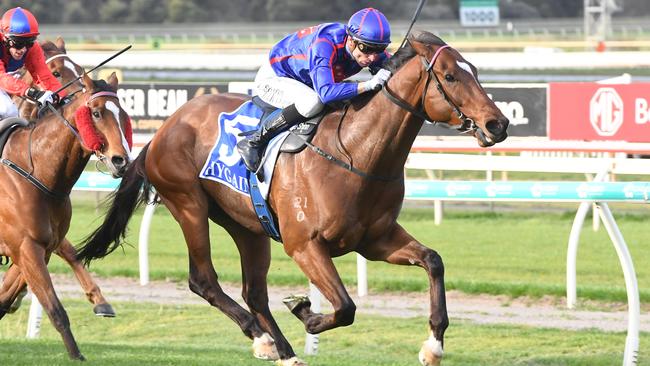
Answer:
(467, 125)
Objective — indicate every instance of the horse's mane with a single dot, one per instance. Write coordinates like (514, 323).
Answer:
(49, 46)
(407, 52)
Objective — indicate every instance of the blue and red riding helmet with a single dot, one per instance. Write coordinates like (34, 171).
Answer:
(18, 22)
(370, 26)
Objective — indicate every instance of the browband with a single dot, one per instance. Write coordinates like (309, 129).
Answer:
(101, 94)
(435, 56)
(55, 56)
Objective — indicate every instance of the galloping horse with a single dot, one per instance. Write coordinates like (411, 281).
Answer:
(63, 68)
(40, 164)
(322, 210)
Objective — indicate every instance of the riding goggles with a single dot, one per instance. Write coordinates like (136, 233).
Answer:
(21, 42)
(371, 48)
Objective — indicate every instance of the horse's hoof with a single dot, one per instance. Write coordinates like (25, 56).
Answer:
(295, 303)
(264, 348)
(431, 352)
(105, 310)
(19, 300)
(77, 357)
(293, 361)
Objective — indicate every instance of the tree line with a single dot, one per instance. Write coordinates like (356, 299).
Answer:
(184, 11)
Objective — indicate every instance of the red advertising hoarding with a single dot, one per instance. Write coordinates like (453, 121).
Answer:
(591, 112)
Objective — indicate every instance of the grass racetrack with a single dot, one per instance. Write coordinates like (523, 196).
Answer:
(513, 254)
(148, 334)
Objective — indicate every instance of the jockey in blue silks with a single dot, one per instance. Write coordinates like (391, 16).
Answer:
(306, 70)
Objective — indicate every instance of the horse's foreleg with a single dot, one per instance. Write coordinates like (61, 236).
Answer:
(13, 289)
(255, 252)
(399, 247)
(33, 265)
(91, 289)
(315, 262)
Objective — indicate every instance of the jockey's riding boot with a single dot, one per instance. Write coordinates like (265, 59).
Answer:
(252, 147)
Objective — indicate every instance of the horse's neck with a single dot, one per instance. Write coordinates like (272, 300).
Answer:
(57, 153)
(381, 131)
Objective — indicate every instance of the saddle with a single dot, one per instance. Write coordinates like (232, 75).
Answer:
(7, 126)
(300, 133)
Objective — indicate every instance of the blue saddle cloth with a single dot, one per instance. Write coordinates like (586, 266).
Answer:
(224, 164)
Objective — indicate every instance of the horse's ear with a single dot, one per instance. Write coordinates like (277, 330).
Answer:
(60, 43)
(420, 48)
(112, 80)
(88, 82)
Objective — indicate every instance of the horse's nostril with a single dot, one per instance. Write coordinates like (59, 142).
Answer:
(497, 126)
(118, 161)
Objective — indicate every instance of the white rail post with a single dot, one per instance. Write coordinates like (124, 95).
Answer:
(35, 319)
(437, 212)
(574, 240)
(362, 276)
(631, 285)
(311, 340)
(143, 240)
(572, 254)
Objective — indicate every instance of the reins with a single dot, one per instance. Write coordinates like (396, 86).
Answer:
(467, 124)
(331, 158)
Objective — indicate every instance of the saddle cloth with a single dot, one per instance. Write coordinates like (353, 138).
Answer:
(224, 164)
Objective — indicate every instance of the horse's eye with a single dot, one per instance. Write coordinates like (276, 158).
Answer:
(449, 77)
(56, 74)
(96, 114)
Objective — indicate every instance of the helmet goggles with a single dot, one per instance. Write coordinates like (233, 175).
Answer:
(370, 48)
(20, 42)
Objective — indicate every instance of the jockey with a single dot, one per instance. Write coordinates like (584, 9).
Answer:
(306, 69)
(18, 31)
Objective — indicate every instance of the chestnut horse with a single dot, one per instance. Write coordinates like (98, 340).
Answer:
(63, 68)
(322, 210)
(40, 164)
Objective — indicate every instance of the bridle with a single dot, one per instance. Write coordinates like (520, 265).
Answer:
(28, 175)
(467, 126)
(67, 62)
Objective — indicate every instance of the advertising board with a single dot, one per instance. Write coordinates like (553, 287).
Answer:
(593, 112)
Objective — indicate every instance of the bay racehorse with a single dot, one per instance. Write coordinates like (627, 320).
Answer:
(66, 70)
(40, 164)
(322, 210)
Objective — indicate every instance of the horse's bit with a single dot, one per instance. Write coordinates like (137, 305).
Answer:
(468, 125)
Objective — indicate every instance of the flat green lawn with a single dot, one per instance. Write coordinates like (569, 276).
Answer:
(498, 253)
(150, 334)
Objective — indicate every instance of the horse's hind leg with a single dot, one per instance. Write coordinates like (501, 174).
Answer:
(33, 265)
(189, 208)
(93, 293)
(315, 262)
(13, 289)
(399, 247)
(255, 252)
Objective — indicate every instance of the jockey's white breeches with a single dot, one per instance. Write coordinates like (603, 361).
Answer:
(281, 92)
(7, 106)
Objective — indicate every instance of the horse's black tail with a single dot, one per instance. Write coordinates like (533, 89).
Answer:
(134, 190)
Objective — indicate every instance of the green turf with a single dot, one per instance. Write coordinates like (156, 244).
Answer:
(150, 334)
(484, 252)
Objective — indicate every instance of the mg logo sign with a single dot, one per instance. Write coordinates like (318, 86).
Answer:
(606, 111)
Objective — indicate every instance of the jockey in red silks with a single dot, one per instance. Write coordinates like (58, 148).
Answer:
(19, 29)
(305, 71)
